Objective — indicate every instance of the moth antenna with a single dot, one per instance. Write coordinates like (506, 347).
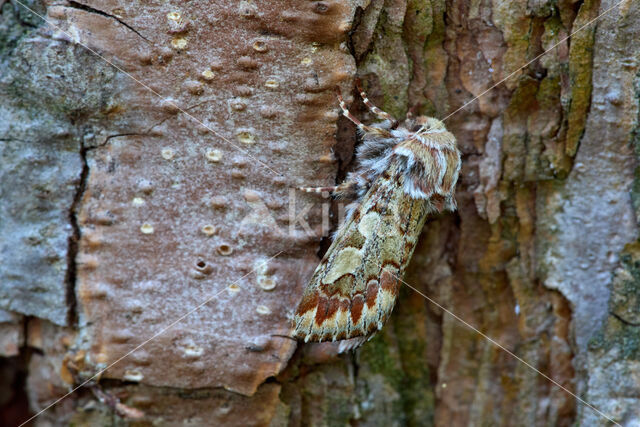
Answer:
(318, 189)
(348, 189)
(375, 110)
(351, 117)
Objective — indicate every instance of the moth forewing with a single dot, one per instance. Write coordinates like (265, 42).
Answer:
(402, 177)
(343, 298)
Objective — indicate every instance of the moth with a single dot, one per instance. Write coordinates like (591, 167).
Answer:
(405, 172)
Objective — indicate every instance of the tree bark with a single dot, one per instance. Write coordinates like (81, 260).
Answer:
(148, 224)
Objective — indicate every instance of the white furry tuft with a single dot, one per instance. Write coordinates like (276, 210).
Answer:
(414, 192)
(405, 152)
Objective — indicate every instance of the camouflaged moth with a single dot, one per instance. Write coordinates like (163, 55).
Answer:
(405, 171)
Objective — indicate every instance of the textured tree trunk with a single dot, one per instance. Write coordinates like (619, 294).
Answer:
(147, 152)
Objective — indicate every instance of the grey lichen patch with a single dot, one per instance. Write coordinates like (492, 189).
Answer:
(623, 325)
(38, 186)
(635, 141)
(16, 22)
(625, 288)
(52, 96)
(62, 78)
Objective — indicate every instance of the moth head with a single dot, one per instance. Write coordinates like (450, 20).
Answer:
(424, 124)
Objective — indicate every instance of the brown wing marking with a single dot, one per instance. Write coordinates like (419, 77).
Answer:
(354, 289)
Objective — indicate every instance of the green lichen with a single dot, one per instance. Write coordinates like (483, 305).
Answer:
(435, 62)
(514, 142)
(419, 21)
(395, 362)
(387, 71)
(339, 409)
(542, 152)
(617, 334)
(379, 359)
(511, 18)
(543, 9)
(418, 398)
(547, 126)
(625, 286)
(580, 72)
(99, 416)
(380, 379)
(418, 25)
(387, 63)
(327, 395)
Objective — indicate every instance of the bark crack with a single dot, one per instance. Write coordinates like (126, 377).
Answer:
(344, 148)
(622, 320)
(109, 137)
(74, 239)
(89, 9)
